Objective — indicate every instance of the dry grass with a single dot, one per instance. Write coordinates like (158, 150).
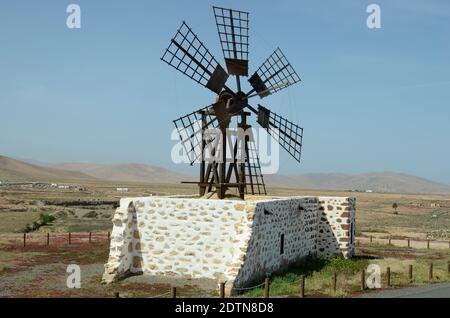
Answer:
(374, 210)
(14, 221)
(40, 271)
(319, 273)
(19, 207)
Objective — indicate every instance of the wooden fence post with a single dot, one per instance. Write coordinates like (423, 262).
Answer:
(371, 239)
(222, 290)
(430, 272)
(388, 276)
(428, 244)
(266, 288)
(24, 239)
(390, 240)
(409, 242)
(70, 238)
(90, 237)
(334, 281)
(363, 279)
(174, 292)
(410, 273)
(302, 286)
(48, 239)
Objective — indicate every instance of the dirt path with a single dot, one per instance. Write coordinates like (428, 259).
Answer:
(38, 270)
(46, 280)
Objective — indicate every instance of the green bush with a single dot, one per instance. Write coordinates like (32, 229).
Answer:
(46, 219)
(346, 266)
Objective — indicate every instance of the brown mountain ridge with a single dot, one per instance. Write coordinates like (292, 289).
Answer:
(16, 170)
(12, 169)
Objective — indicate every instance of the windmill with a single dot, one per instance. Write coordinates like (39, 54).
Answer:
(188, 54)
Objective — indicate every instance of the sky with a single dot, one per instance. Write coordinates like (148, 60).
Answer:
(370, 99)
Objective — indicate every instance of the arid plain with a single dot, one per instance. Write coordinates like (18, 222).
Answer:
(76, 204)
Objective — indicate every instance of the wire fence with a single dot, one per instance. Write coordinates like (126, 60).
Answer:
(405, 242)
(58, 239)
(362, 280)
(388, 279)
(160, 295)
(248, 288)
(54, 239)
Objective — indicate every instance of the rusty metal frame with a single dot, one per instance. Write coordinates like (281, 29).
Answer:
(187, 54)
(287, 134)
(190, 129)
(275, 74)
(233, 28)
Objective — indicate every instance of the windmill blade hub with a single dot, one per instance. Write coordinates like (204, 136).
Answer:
(233, 103)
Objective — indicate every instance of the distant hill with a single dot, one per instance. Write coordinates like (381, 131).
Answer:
(378, 182)
(12, 169)
(131, 172)
(16, 170)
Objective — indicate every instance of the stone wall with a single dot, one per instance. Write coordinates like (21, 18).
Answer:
(284, 232)
(336, 233)
(121, 246)
(226, 240)
(179, 237)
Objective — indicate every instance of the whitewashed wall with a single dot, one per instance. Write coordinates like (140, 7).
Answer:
(226, 240)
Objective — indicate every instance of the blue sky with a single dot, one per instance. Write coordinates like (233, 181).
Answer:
(370, 100)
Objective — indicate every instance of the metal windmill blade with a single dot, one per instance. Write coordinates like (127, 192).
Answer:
(187, 54)
(233, 29)
(190, 128)
(275, 74)
(288, 134)
(253, 172)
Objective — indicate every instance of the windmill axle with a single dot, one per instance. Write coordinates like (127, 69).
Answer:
(233, 103)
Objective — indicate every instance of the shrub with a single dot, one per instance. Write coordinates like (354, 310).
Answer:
(46, 219)
(347, 266)
(90, 214)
